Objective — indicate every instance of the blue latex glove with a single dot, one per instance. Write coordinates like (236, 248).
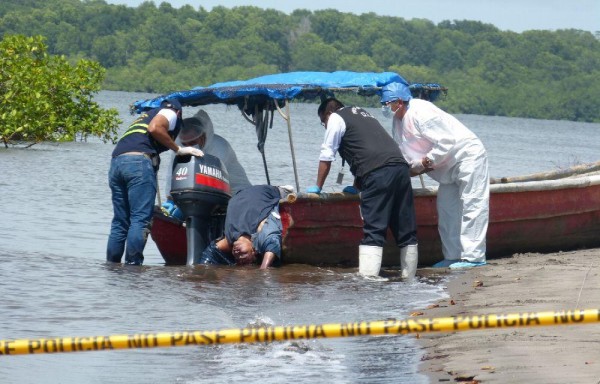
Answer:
(176, 213)
(313, 189)
(351, 190)
(168, 207)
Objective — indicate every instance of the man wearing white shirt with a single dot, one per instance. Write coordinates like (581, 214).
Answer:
(382, 177)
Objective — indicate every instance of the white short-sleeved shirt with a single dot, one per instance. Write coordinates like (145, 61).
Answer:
(171, 116)
(336, 128)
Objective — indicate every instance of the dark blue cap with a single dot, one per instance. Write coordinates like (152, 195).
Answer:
(171, 103)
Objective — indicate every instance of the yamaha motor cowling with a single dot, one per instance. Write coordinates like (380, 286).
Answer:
(200, 188)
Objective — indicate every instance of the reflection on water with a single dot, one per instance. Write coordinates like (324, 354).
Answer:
(54, 282)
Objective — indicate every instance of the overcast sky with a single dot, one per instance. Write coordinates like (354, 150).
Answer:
(513, 15)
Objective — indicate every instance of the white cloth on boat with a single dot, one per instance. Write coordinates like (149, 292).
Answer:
(218, 146)
(460, 166)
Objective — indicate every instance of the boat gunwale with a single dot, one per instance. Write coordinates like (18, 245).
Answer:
(580, 181)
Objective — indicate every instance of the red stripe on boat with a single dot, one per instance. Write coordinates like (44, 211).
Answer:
(212, 182)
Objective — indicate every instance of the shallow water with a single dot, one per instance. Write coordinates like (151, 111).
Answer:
(54, 282)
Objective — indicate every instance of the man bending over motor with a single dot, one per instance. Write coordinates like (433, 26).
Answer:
(252, 229)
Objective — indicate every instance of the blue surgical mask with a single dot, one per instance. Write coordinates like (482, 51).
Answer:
(387, 111)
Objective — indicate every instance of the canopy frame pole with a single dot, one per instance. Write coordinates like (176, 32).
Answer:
(286, 117)
(261, 124)
(246, 117)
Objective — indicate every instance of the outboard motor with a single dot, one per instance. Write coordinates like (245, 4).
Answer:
(200, 188)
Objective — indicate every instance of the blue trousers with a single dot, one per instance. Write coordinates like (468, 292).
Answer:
(386, 201)
(132, 181)
(213, 256)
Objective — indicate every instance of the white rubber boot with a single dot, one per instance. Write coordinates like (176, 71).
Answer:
(409, 258)
(369, 260)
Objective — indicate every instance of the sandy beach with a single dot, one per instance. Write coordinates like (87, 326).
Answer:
(521, 283)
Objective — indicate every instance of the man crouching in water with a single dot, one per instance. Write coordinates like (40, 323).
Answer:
(252, 229)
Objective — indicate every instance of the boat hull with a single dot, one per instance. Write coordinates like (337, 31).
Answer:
(541, 216)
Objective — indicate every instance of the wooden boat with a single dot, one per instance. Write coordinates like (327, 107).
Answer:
(555, 211)
(525, 216)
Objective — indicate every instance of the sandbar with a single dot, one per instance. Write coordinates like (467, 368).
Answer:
(530, 282)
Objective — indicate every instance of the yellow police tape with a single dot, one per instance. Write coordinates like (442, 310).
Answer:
(293, 332)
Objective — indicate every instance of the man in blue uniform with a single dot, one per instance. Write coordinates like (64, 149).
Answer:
(132, 178)
(252, 229)
(382, 177)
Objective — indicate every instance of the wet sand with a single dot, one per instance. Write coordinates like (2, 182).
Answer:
(521, 283)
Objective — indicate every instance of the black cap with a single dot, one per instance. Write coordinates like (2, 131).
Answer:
(171, 103)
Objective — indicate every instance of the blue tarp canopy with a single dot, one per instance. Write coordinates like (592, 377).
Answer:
(259, 97)
(287, 86)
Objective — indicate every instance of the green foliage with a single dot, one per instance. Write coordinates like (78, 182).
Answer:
(311, 52)
(158, 49)
(44, 98)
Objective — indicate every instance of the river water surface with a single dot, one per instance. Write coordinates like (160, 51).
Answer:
(54, 282)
